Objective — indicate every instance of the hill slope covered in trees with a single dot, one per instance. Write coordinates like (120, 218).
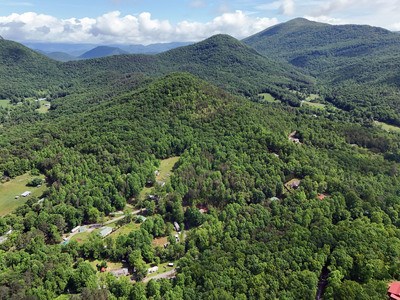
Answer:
(357, 63)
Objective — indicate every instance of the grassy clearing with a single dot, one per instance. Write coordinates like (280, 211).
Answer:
(387, 127)
(83, 236)
(162, 268)
(313, 97)
(15, 187)
(165, 171)
(269, 98)
(125, 230)
(315, 105)
(43, 108)
(5, 103)
(160, 241)
(110, 265)
(166, 166)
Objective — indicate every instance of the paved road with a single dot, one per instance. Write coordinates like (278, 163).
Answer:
(166, 275)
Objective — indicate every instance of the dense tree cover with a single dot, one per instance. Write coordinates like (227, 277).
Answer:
(235, 156)
(355, 62)
(100, 144)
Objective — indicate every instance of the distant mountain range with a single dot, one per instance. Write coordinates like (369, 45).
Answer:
(67, 52)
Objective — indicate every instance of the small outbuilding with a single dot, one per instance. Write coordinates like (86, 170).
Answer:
(26, 194)
(177, 227)
(104, 231)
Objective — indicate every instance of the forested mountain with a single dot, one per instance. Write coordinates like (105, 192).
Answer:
(24, 72)
(221, 59)
(102, 51)
(272, 200)
(59, 56)
(356, 62)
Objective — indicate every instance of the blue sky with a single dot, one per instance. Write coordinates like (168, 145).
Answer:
(140, 21)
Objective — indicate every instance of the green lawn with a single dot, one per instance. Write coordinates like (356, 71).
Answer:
(110, 265)
(387, 127)
(166, 166)
(43, 108)
(269, 98)
(83, 236)
(313, 97)
(5, 103)
(124, 230)
(15, 187)
(162, 268)
(315, 105)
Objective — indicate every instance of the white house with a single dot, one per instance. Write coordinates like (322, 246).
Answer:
(26, 194)
(152, 270)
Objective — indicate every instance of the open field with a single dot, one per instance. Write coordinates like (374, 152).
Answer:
(165, 172)
(110, 265)
(15, 187)
(314, 104)
(43, 108)
(124, 230)
(312, 97)
(162, 268)
(166, 166)
(268, 98)
(160, 241)
(387, 127)
(5, 103)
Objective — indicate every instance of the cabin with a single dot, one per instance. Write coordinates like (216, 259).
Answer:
(104, 231)
(170, 264)
(321, 196)
(152, 270)
(394, 290)
(177, 227)
(26, 194)
(120, 272)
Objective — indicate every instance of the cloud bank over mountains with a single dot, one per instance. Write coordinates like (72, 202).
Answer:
(113, 27)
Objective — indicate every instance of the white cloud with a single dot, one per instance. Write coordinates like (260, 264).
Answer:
(113, 27)
(327, 19)
(287, 7)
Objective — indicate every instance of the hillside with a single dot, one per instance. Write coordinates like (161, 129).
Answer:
(347, 59)
(24, 72)
(102, 51)
(235, 156)
(220, 59)
(60, 56)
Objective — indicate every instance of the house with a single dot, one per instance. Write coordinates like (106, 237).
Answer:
(295, 184)
(394, 290)
(75, 229)
(104, 231)
(120, 272)
(170, 264)
(177, 227)
(321, 196)
(152, 270)
(26, 194)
